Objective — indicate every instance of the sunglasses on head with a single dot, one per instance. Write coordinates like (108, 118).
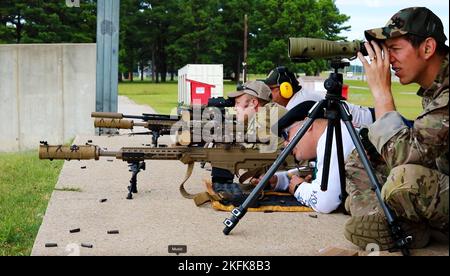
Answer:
(243, 87)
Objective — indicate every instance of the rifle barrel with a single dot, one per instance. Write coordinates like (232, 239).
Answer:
(75, 152)
(114, 123)
(110, 115)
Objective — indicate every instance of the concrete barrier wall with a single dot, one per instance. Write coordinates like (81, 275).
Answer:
(47, 92)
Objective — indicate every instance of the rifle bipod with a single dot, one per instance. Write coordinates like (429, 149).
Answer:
(135, 168)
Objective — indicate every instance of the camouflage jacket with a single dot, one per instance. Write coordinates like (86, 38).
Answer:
(426, 143)
(259, 128)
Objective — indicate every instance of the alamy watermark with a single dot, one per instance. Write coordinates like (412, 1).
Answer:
(214, 125)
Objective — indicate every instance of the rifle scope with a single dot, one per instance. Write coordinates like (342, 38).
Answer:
(220, 102)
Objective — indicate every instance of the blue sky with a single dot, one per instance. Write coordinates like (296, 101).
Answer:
(367, 14)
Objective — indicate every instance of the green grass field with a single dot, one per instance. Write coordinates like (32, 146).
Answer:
(26, 184)
(163, 96)
(406, 100)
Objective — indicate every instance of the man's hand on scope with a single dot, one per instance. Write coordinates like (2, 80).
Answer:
(378, 73)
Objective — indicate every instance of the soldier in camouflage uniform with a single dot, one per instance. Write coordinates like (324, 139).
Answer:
(256, 114)
(414, 166)
(254, 107)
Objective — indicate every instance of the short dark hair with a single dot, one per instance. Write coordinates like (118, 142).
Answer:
(415, 40)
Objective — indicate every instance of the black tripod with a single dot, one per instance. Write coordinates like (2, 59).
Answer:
(336, 110)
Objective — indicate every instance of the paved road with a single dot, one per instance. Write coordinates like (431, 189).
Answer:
(159, 216)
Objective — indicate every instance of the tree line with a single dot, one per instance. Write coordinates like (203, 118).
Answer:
(169, 34)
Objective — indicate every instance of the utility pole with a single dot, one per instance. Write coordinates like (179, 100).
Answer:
(244, 62)
(107, 55)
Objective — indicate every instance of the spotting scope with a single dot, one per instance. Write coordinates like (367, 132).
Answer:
(303, 49)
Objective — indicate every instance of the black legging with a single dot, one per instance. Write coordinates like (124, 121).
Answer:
(221, 175)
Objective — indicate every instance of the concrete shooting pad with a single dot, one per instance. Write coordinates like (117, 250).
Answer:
(158, 216)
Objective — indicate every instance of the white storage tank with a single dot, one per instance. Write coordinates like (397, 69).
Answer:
(199, 82)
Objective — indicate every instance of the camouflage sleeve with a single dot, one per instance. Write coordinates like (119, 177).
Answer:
(266, 118)
(260, 129)
(250, 135)
(422, 144)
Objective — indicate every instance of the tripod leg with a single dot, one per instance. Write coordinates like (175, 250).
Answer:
(340, 158)
(238, 213)
(327, 156)
(399, 236)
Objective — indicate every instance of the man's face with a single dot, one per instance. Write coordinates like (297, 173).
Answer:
(276, 95)
(245, 106)
(306, 147)
(405, 60)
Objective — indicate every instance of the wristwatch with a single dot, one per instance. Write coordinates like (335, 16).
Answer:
(296, 187)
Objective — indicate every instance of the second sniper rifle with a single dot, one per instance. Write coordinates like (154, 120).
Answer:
(162, 124)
